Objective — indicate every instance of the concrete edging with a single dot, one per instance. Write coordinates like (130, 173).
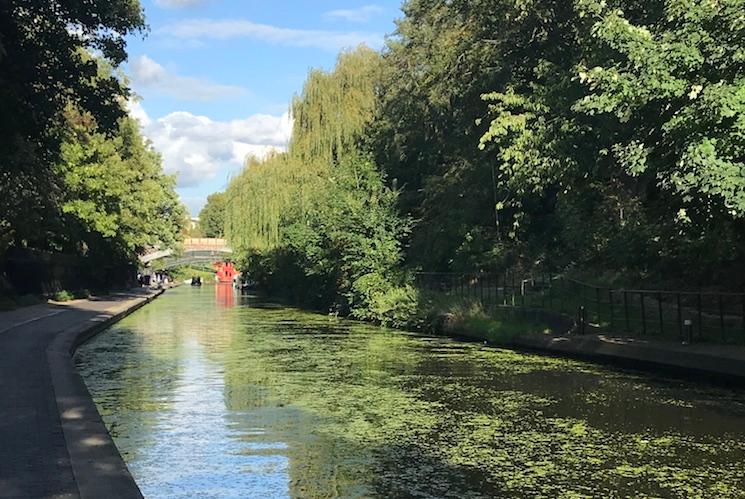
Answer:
(676, 360)
(696, 362)
(97, 465)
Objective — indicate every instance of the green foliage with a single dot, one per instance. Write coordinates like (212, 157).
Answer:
(63, 296)
(46, 66)
(348, 230)
(589, 133)
(318, 222)
(212, 216)
(334, 108)
(115, 193)
(376, 299)
(77, 177)
(613, 134)
(330, 115)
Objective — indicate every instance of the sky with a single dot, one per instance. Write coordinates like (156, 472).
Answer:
(213, 79)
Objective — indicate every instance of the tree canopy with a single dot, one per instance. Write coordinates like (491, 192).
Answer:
(603, 136)
(212, 216)
(318, 223)
(46, 65)
(77, 176)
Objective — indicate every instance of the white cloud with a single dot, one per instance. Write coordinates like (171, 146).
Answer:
(137, 112)
(178, 4)
(360, 15)
(194, 29)
(146, 73)
(199, 149)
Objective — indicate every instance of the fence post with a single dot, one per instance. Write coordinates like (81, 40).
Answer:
(659, 309)
(514, 287)
(506, 285)
(522, 292)
(680, 319)
(597, 305)
(610, 303)
(700, 320)
(743, 315)
(626, 309)
(644, 314)
(481, 288)
(721, 318)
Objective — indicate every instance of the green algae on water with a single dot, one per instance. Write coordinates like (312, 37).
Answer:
(344, 409)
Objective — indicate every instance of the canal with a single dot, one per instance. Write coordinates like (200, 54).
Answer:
(211, 394)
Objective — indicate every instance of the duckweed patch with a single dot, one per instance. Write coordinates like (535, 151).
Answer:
(322, 407)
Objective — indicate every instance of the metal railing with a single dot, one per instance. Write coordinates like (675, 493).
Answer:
(651, 314)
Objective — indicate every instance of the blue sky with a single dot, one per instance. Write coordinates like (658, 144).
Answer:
(215, 77)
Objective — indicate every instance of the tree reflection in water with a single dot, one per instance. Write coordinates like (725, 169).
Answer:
(207, 398)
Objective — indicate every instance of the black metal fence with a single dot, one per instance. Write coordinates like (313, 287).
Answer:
(29, 271)
(651, 314)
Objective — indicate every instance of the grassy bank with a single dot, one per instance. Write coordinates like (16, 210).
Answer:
(469, 318)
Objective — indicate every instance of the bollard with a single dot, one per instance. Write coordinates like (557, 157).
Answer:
(688, 324)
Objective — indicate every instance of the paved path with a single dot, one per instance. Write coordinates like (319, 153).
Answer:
(53, 443)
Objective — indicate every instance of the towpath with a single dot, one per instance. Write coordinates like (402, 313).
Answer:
(53, 443)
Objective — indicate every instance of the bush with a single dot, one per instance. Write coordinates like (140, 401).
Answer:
(28, 300)
(375, 298)
(348, 234)
(63, 296)
(7, 303)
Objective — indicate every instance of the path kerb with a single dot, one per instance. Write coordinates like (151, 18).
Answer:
(99, 470)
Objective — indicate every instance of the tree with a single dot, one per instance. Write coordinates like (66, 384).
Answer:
(633, 146)
(212, 216)
(116, 200)
(318, 222)
(45, 65)
(444, 57)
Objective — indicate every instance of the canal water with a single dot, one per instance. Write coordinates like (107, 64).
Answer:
(211, 394)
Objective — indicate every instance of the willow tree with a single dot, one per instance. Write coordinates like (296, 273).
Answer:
(317, 223)
(329, 116)
(333, 109)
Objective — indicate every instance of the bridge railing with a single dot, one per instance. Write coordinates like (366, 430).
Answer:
(205, 243)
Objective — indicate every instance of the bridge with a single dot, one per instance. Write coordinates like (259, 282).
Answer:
(196, 251)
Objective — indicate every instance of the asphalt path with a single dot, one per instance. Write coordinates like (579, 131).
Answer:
(52, 441)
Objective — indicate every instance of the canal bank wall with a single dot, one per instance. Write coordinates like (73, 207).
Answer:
(699, 361)
(55, 442)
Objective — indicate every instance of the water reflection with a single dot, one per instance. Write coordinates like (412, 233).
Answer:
(225, 295)
(208, 399)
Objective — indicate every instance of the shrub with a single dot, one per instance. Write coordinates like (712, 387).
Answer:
(375, 298)
(7, 303)
(28, 300)
(63, 296)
